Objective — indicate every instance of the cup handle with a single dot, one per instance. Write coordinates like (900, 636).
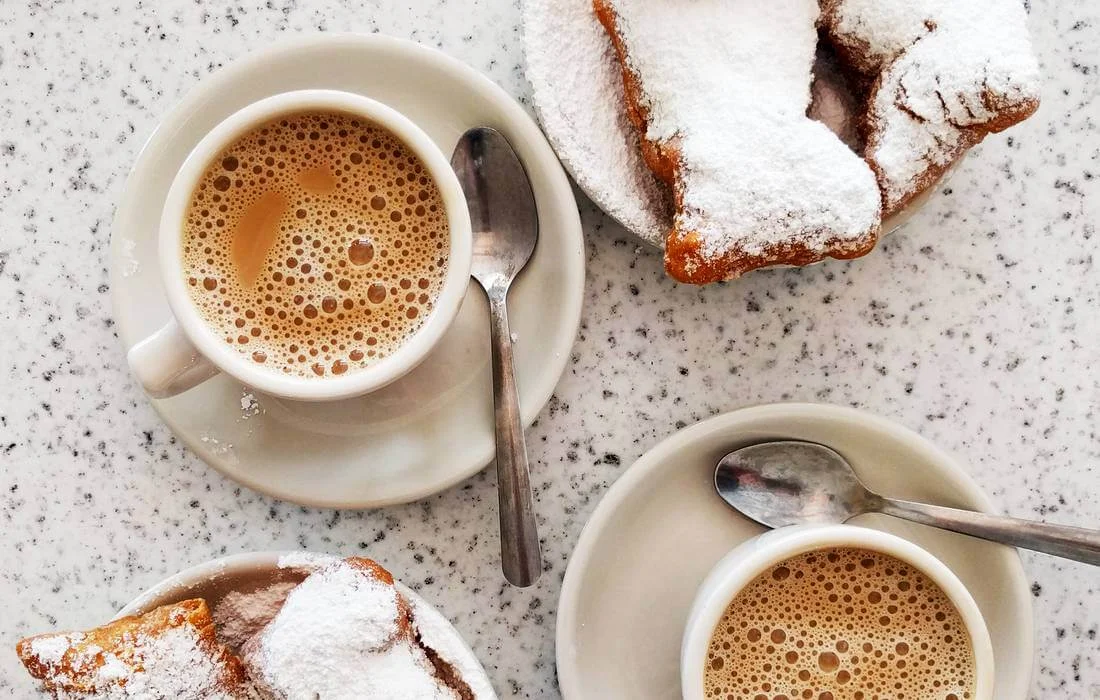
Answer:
(166, 363)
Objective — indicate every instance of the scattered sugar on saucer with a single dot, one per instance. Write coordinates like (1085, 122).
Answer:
(130, 264)
(219, 448)
(249, 405)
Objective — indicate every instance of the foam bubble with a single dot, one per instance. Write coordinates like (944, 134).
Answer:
(840, 624)
(305, 239)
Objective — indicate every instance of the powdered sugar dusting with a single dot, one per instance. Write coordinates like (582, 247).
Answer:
(241, 616)
(169, 664)
(51, 649)
(309, 561)
(580, 104)
(578, 94)
(341, 635)
(728, 84)
(174, 666)
(949, 68)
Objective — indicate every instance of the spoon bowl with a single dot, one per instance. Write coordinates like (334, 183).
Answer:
(503, 214)
(790, 482)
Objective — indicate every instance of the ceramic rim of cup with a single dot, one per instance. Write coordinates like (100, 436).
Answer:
(752, 558)
(414, 348)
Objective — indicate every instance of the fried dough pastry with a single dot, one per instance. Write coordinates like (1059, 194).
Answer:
(718, 90)
(941, 74)
(346, 633)
(168, 653)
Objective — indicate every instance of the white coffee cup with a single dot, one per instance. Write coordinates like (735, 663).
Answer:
(187, 351)
(755, 556)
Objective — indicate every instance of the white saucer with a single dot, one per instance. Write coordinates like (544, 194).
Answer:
(430, 429)
(661, 528)
(577, 93)
(251, 571)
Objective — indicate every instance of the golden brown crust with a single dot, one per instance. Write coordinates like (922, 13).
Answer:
(371, 568)
(77, 671)
(662, 159)
(684, 259)
(684, 262)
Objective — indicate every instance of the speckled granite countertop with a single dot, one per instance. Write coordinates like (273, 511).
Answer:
(977, 326)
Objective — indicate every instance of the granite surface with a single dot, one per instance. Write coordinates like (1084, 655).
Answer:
(977, 326)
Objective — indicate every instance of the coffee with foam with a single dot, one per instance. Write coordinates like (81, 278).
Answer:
(316, 244)
(840, 624)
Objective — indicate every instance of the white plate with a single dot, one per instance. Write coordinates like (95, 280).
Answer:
(661, 528)
(248, 572)
(577, 93)
(430, 429)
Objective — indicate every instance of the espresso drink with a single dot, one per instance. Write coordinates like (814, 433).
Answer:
(316, 244)
(840, 624)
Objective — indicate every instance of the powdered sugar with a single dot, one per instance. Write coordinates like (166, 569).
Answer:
(113, 670)
(169, 664)
(239, 616)
(130, 264)
(578, 94)
(727, 84)
(250, 405)
(342, 634)
(173, 666)
(50, 649)
(949, 69)
(309, 561)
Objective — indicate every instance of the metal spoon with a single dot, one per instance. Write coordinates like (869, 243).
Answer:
(790, 482)
(506, 228)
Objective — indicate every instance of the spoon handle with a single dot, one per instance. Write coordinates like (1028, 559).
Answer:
(521, 557)
(1076, 543)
